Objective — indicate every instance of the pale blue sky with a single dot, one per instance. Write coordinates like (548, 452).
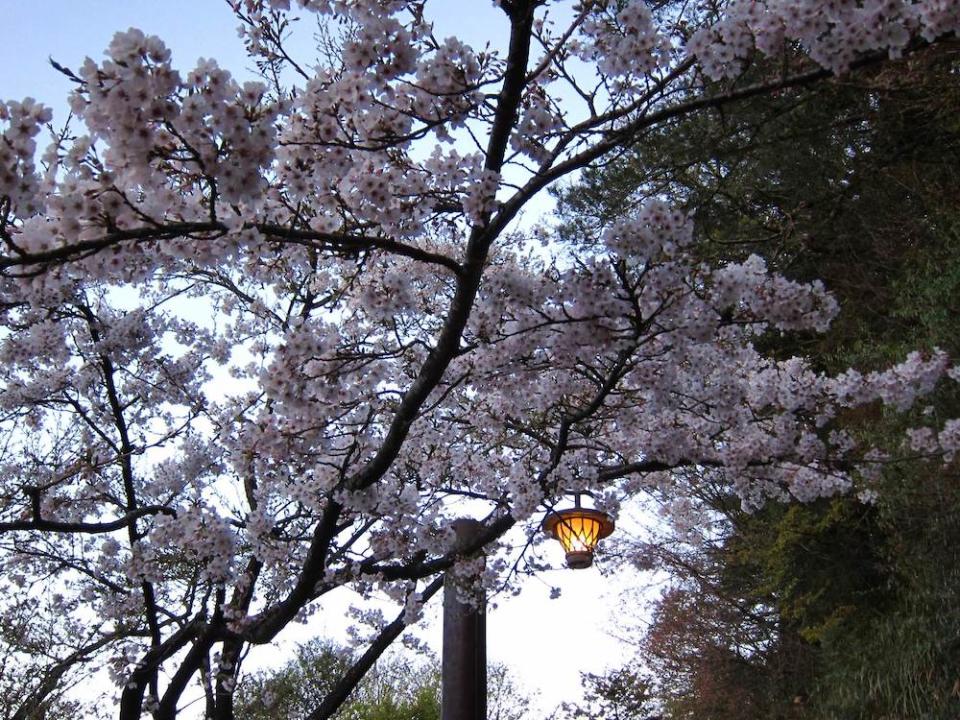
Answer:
(69, 30)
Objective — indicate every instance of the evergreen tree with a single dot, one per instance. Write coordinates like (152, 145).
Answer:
(835, 609)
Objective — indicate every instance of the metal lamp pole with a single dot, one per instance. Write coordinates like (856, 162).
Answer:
(463, 686)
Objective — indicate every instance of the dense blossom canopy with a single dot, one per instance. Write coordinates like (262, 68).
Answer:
(265, 339)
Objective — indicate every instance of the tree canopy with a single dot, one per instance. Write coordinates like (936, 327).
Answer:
(265, 339)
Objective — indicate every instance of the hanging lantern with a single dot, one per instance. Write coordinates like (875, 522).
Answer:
(579, 530)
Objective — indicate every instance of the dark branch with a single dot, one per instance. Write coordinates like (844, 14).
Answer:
(336, 242)
(341, 691)
(37, 522)
(131, 701)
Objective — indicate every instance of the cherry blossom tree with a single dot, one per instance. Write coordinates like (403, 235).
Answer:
(265, 340)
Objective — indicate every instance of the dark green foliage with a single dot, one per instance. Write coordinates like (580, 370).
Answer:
(903, 659)
(623, 694)
(396, 689)
(297, 688)
(399, 687)
(832, 610)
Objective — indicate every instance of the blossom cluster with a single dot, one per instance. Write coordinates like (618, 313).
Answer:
(623, 39)
(834, 33)
(19, 179)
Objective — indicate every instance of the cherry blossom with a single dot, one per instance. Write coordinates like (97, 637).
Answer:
(267, 338)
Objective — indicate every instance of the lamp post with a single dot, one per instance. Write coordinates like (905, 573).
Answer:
(463, 684)
(463, 672)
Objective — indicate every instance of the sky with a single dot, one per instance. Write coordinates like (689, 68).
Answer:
(547, 643)
(68, 31)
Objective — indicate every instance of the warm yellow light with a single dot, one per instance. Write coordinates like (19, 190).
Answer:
(578, 533)
(578, 530)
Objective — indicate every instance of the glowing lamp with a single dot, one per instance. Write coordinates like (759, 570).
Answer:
(578, 530)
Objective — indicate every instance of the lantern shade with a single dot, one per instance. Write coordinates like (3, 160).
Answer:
(578, 530)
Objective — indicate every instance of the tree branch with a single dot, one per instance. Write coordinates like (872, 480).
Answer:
(131, 701)
(349, 681)
(91, 528)
(336, 242)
